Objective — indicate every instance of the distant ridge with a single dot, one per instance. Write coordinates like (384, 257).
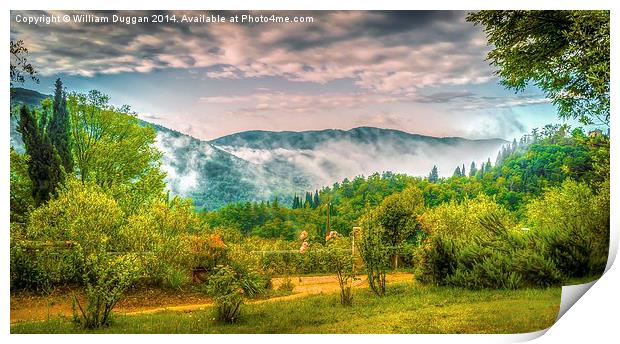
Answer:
(262, 165)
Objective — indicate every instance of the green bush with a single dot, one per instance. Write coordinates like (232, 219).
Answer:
(88, 219)
(573, 224)
(105, 279)
(228, 285)
(476, 244)
(340, 260)
(41, 269)
(437, 259)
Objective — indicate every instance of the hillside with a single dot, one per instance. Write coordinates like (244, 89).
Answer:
(262, 165)
(327, 156)
(195, 168)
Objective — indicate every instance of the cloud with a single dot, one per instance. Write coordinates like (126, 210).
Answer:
(383, 51)
(301, 103)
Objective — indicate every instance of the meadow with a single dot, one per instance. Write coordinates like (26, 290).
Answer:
(408, 307)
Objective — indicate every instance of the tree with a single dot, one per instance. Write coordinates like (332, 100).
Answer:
(565, 53)
(44, 162)
(308, 203)
(487, 167)
(59, 128)
(457, 172)
(20, 67)
(21, 202)
(295, 202)
(113, 150)
(433, 177)
(316, 201)
(472, 169)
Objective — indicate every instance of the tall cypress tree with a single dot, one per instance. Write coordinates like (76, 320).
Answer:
(433, 177)
(316, 201)
(44, 164)
(295, 202)
(59, 128)
(457, 172)
(472, 169)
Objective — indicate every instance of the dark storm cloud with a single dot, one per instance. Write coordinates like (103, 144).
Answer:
(385, 25)
(382, 51)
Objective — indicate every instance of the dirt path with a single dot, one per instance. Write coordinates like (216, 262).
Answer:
(28, 307)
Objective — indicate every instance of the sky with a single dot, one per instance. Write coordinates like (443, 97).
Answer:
(423, 72)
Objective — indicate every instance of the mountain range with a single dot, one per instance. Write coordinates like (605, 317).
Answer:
(261, 165)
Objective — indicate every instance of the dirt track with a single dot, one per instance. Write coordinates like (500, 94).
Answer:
(27, 307)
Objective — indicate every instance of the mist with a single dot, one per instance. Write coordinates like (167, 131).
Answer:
(334, 160)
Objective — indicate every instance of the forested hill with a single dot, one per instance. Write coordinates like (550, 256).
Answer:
(311, 139)
(263, 165)
(195, 168)
(327, 156)
(213, 177)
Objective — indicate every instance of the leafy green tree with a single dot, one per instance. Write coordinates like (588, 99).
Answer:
(88, 219)
(21, 201)
(113, 150)
(384, 230)
(565, 53)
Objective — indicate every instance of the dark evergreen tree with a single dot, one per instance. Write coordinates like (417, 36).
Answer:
(463, 170)
(276, 204)
(295, 202)
(501, 155)
(44, 164)
(472, 169)
(308, 202)
(316, 200)
(433, 177)
(457, 172)
(58, 128)
(514, 145)
(482, 169)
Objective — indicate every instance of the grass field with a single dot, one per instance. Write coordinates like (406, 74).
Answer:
(408, 307)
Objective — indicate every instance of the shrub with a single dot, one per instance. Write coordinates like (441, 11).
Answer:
(476, 244)
(225, 287)
(177, 249)
(340, 260)
(89, 219)
(40, 268)
(228, 285)
(105, 279)
(437, 259)
(374, 251)
(573, 224)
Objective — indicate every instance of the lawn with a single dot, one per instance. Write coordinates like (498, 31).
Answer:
(408, 307)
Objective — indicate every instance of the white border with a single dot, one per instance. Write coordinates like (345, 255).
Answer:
(594, 317)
